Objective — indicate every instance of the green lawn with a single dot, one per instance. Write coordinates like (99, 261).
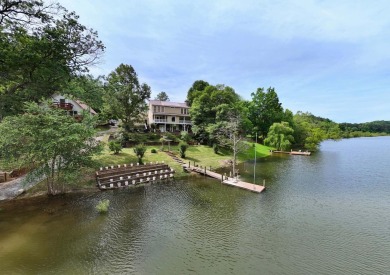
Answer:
(201, 154)
(127, 156)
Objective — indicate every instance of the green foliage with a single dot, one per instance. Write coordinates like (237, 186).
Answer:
(310, 130)
(170, 136)
(115, 146)
(162, 96)
(154, 151)
(139, 151)
(197, 88)
(211, 106)
(264, 110)
(315, 137)
(42, 47)
(182, 149)
(215, 148)
(228, 134)
(102, 206)
(125, 96)
(280, 136)
(362, 129)
(52, 143)
(87, 89)
(185, 136)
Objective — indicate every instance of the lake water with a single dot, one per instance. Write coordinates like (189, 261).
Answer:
(324, 214)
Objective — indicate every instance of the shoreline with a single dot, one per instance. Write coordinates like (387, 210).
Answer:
(203, 155)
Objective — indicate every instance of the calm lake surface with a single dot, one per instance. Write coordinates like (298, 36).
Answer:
(324, 214)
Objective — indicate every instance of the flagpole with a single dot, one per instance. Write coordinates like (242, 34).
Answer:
(254, 167)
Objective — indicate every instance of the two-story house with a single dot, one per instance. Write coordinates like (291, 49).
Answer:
(169, 116)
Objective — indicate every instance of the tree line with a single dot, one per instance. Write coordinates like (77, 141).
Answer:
(264, 117)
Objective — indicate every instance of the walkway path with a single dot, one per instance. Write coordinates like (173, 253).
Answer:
(12, 189)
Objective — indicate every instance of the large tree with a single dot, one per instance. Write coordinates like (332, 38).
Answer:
(41, 48)
(125, 97)
(162, 96)
(280, 136)
(88, 89)
(310, 130)
(48, 142)
(209, 107)
(264, 110)
(229, 134)
(196, 89)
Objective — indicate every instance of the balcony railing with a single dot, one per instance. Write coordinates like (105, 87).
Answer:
(160, 120)
(65, 106)
(182, 121)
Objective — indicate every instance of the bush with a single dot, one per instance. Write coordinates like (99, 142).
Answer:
(102, 206)
(215, 148)
(115, 146)
(139, 151)
(170, 136)
(182, 149)
(185, 136)
(154, 151)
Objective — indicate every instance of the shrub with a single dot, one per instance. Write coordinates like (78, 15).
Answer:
(182, 149)
(215, 148)
(154, 151)
(102, 206)
(139, 151)
(185, 136)
(115, 146)
(170, 136)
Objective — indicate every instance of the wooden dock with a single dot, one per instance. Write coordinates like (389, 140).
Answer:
(297, 153)
(224, 179)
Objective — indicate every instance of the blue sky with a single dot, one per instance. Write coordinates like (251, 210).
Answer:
(330, 58)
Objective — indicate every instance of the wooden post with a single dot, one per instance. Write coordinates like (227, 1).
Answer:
(189, 164)
(263, 182)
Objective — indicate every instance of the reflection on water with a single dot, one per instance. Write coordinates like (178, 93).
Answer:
(324, 214)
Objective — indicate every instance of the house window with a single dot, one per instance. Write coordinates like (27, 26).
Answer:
(158, 109)
(173, 119)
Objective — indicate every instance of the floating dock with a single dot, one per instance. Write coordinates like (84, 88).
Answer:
(298, 153)
(123, 175)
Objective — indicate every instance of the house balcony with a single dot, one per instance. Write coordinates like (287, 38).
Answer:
(160, 120)
(64, 106)
(182, 121)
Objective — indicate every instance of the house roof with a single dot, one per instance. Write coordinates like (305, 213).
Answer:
(85, 107)
(168, 103)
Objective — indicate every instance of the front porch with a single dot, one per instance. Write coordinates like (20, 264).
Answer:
(165, 127)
